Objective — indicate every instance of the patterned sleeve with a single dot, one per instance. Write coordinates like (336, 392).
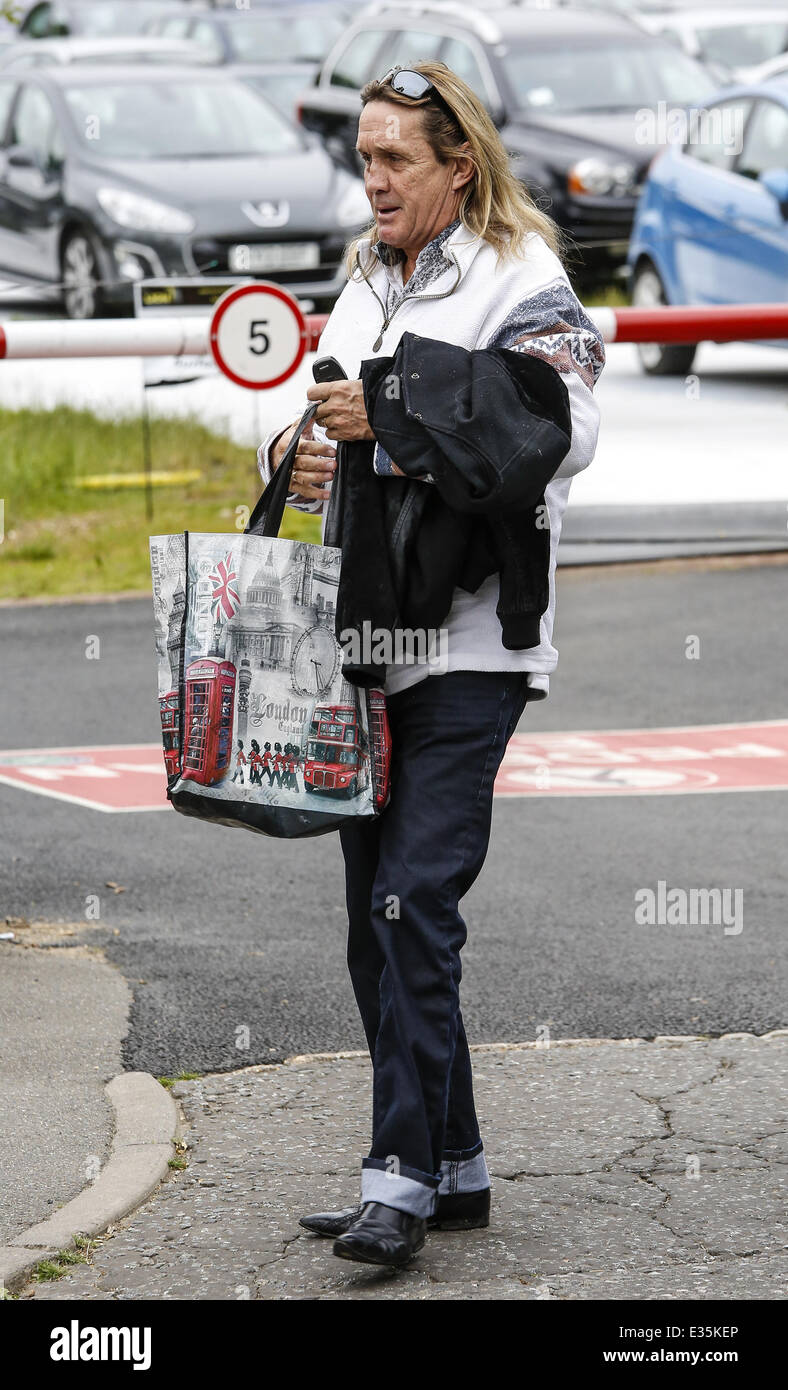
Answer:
(552, 324)
(382, 463)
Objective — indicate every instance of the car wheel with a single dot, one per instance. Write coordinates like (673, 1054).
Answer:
(80, 276)
(659, 359)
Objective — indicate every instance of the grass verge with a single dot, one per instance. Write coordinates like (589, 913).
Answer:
(64, 1261)
(61, 539)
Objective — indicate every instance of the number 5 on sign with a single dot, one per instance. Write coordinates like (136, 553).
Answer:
(259, 341)
(258, 335)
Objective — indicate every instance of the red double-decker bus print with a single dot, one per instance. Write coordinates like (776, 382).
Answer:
(337, 752)
(208, 719)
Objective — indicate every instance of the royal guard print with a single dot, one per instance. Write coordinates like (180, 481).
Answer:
(240, 761)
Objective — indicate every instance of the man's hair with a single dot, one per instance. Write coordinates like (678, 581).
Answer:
(494, 205)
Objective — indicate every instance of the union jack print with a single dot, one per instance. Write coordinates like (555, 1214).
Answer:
(225, 600)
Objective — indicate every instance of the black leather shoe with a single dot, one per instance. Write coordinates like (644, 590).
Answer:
(382, 1236)
(461, 1211)
(456, 1211)
(330, 1223)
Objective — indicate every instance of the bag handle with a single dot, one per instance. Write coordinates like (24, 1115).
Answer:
(270, 508)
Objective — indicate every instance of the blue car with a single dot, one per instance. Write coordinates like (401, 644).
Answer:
(711, 226)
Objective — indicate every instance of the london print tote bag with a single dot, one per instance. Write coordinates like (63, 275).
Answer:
(260, 729)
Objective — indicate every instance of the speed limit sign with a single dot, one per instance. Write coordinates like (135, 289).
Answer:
(258, 335)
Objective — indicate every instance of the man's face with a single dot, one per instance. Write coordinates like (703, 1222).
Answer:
(412, 195)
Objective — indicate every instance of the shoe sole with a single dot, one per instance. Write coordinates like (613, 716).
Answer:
(343, 1252)
(470, 1223)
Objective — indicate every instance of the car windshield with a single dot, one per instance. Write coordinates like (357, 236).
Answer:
(281, 88)
(109, 18)
(743, 45)
(185, 119)
(291, 38)
(616, 77)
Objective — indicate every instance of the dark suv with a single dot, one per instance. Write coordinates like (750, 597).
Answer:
(571, 93)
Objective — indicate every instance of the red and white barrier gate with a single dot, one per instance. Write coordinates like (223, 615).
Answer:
(44, 338)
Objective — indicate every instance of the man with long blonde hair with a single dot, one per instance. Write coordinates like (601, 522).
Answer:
(459, 264)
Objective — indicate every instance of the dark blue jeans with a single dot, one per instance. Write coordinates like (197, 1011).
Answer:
(405, 874)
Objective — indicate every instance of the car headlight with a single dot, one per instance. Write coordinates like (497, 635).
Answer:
(599, 177)
(143, 214)
(353, 209)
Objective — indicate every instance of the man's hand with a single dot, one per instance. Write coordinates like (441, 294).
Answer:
(313, 466)
(341, 412)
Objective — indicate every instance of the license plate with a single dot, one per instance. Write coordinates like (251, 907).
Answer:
(293, 255)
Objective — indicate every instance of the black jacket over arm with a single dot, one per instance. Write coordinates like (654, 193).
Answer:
(491, 426)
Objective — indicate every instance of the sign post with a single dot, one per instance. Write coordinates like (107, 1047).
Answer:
(258, 335)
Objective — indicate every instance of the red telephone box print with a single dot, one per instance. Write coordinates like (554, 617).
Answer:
(208, 720)
(380, 739)
(170, 731)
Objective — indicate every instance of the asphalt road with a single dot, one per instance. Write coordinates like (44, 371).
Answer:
(218, 929)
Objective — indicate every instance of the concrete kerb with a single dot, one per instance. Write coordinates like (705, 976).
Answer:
(146, 1124)
(305, 1058)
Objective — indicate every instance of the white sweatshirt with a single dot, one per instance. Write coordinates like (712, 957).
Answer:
(524, 303)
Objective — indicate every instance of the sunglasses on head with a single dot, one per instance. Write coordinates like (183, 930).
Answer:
(415, 86)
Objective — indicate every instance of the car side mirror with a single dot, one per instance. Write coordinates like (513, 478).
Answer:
(22, 157)
(776, 183)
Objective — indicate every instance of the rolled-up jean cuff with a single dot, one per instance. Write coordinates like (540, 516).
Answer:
(464, 1175)
(414, 1195)
(459, 1155)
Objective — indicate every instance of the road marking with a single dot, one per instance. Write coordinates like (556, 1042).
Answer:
(610, 762)
(114, 777)
(648, 762)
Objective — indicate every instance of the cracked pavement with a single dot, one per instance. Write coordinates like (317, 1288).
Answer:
(620, 1169)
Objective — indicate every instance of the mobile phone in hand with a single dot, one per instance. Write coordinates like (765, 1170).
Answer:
(328, 369)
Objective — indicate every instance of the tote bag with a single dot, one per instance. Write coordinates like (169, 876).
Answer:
(260, 729)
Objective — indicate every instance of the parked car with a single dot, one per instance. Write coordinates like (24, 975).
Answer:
(110, 175)
(773, 68)
(731, 43)
(282, 83)
(52, 19)
(9, 34)
(712, 224)
(564, 87)
(36, 53)
(260, 35)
